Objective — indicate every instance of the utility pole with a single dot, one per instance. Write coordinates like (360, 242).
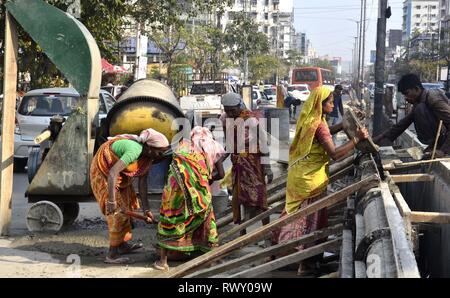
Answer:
(379, 68)
(363, 43)
(245, 47)
(355, 62)
(358, 89)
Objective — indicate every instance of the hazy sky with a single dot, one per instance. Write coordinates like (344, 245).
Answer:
(327, 24)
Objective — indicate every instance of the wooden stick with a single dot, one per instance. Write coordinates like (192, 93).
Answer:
(289, 259)
(280, 195)
(8, 113)
(277, 207)
(438, 134)
(413, 164)
(412, 178)
(278, 249)
(430, 217)
(261, 232)
(338, 166)
(341, 174)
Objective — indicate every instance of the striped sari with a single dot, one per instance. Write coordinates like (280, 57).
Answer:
(249, 184)
(119, 225)
(187, 222)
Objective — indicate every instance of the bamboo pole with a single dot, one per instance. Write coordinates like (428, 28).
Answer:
(8, 123)
(278, 249)
(261, 232)
(289, 259)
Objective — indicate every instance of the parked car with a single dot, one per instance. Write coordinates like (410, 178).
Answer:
(299, 91)
(36, 109)
(115, 91)
(260, 99)
(433, 86)
(271, 93)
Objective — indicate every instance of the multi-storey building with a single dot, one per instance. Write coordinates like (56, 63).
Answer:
(274, 17)
(394, 38)
(420, 16)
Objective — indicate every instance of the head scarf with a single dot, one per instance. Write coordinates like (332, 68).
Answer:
(309, 121)
(148, 136)
(202, 141)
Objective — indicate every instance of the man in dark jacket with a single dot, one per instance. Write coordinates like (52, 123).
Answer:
(429, 107)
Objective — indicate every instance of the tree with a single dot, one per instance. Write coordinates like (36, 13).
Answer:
(242, 37)
(165, 22)
(103, 18)
(295, 58)
(157, 13)
(423, 55)
(262, 66)
(323, 63)
(171, 42)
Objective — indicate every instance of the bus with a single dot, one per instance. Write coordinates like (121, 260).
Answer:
(313, 77)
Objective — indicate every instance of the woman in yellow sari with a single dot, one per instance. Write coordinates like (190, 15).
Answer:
(309, 157)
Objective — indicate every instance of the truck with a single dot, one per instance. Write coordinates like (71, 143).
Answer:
(205, 98)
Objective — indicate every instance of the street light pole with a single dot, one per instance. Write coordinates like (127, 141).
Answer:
(363, 41)
(360, 48)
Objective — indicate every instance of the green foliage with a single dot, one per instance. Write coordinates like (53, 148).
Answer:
(425, 69)
(104, 20)
(242, 36)
(204, 49)
(261, 67)
(158, 14)
(427, 56)
(294, 59)
(323, 64)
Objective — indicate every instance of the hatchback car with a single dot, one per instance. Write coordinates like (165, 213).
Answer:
(37, 107)
(299, 91)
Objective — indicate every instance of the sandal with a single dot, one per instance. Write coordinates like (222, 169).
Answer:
(157, 266)
(118, 261)
(129, 248)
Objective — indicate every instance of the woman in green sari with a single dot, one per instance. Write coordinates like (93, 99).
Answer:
(187, 223)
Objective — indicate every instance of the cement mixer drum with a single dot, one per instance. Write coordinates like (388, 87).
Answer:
(146, 104)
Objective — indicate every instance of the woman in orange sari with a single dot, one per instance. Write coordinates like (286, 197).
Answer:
(309, 156)
(113, 167)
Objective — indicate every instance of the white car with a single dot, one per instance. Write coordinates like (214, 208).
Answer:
(260, 99)
(271, 93)
(299, 91)
(34, 113)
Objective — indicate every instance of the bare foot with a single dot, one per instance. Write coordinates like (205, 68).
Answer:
(164, 267)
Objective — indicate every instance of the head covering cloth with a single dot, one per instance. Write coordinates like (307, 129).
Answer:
(307, 124)
(148, 136)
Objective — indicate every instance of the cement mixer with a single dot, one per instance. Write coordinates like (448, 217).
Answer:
(146, 104)
(60, 175)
